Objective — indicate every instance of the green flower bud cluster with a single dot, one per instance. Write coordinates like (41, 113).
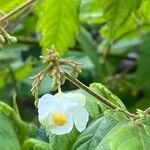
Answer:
(4, 35)
(54, 69)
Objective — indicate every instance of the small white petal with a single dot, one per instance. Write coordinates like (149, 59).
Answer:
(45, 102)
(44, 121)
(80, 117)
(60, 130)
(66, 102)
(77, 97)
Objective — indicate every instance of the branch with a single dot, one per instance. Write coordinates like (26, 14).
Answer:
(28, 40)
(15, 11)
(57, 72)
(97, 96)
(147, 111)
(117, 56)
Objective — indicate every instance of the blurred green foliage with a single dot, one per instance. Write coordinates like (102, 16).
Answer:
(111, 38)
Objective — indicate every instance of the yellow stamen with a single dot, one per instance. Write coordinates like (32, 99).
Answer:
(59, 119)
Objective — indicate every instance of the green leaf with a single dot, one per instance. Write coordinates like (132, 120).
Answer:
(144, 11)
(92, 107)
(102, 90)
(127, 136)
(7, 5)
(34, 144)
(90, 12)
(115, 132)
(89, 46)
(117, 12)
(23, 71)
(11, 53)
(92, 136)
(64, 142)
(142, 73)
(58, 24)
(2, 79)
(8, 137)
(125, 30)
(22, 129)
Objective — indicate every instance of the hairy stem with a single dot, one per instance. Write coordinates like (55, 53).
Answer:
(15, 11)
(91, 92)
(97, 96)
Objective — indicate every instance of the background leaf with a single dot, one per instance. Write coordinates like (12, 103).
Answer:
(96, 131)
(102, 90)
(59, 23)
(34, 144)
(22, 129)
(142, 73)
(91, 12)
(7, 5)
(123, 135)
(117, 12)
(8, 137)
(63, 141)
(144, 11)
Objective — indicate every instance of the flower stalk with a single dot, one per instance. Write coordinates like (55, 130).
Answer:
(4, 35)
(97, 96)
(55, 69)
(15, 11)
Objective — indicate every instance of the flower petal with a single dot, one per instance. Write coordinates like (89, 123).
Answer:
(60, 130)
(77, 97)
(45, 102)
(80, 117)
(66, 102)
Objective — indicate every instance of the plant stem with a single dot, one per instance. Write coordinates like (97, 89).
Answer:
(27, 40)
(13, 78)
(15, 11)
(147, 110)
(97, 96)
(91, 92)
(117, 56)
(89, 46)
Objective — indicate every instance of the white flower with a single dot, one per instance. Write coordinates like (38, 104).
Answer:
(58, 113)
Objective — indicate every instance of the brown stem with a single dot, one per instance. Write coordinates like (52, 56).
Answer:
(15, 11)
(27, 40)
(91, 92)
(111, 55)
(97, 96)
(147, 110)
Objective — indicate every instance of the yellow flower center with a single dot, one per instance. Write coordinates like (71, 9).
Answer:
(59, 119)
